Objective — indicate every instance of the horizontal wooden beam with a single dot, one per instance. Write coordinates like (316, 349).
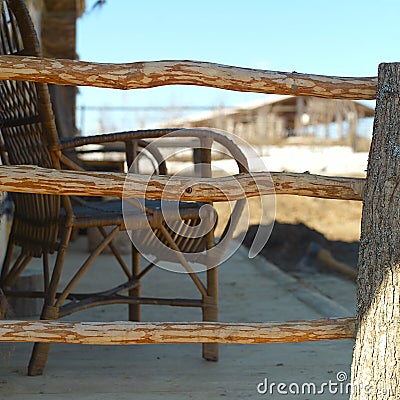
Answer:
(31, 179)
(148, 74)
(107, 333)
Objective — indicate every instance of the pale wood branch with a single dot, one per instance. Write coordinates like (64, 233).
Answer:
(140, 75)
(107, 333)
(31, 179)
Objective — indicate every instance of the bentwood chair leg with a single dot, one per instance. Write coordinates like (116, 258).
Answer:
(134, 309)
(3, 305)
(40, 351)
(38, 359)
(210, 312)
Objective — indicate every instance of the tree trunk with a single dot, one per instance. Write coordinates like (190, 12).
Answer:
(376, 358)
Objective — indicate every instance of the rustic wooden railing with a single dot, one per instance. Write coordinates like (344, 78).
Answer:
(375, 359)
(176, 332)
(30, 179)
(150, 74)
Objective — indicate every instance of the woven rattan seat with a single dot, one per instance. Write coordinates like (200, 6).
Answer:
(43, 224)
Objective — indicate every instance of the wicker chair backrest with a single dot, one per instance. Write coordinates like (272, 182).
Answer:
(28, 133)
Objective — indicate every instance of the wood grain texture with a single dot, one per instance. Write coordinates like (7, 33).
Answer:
(31, 179)
(174, 332)
(140, 75)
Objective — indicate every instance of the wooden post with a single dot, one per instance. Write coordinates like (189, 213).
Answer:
(376, 358)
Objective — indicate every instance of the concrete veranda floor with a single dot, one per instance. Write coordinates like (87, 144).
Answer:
(250, 290)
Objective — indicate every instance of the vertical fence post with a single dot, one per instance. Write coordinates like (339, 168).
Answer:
(376, 357)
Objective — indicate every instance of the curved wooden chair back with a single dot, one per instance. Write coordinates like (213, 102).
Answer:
(28, 134)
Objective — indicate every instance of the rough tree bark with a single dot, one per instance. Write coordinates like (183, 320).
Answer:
(376, 358)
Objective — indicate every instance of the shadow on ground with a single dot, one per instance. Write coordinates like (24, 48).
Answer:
(288, 244)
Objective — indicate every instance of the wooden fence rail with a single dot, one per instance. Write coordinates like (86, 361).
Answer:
(140, 75)
(31, 179)
(107, 333)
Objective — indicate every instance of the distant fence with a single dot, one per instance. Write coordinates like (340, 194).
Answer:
(30, 179)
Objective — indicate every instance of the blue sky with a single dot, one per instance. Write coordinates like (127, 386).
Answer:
(345, 38)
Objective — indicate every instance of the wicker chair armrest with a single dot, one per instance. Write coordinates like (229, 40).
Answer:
(124, 137)
(68, 143)
(137, 135)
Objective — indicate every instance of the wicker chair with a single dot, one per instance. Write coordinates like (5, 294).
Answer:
(43, 224)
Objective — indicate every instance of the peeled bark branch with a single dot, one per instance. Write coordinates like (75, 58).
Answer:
(29, 179)
(150, 74)
(175, 332)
